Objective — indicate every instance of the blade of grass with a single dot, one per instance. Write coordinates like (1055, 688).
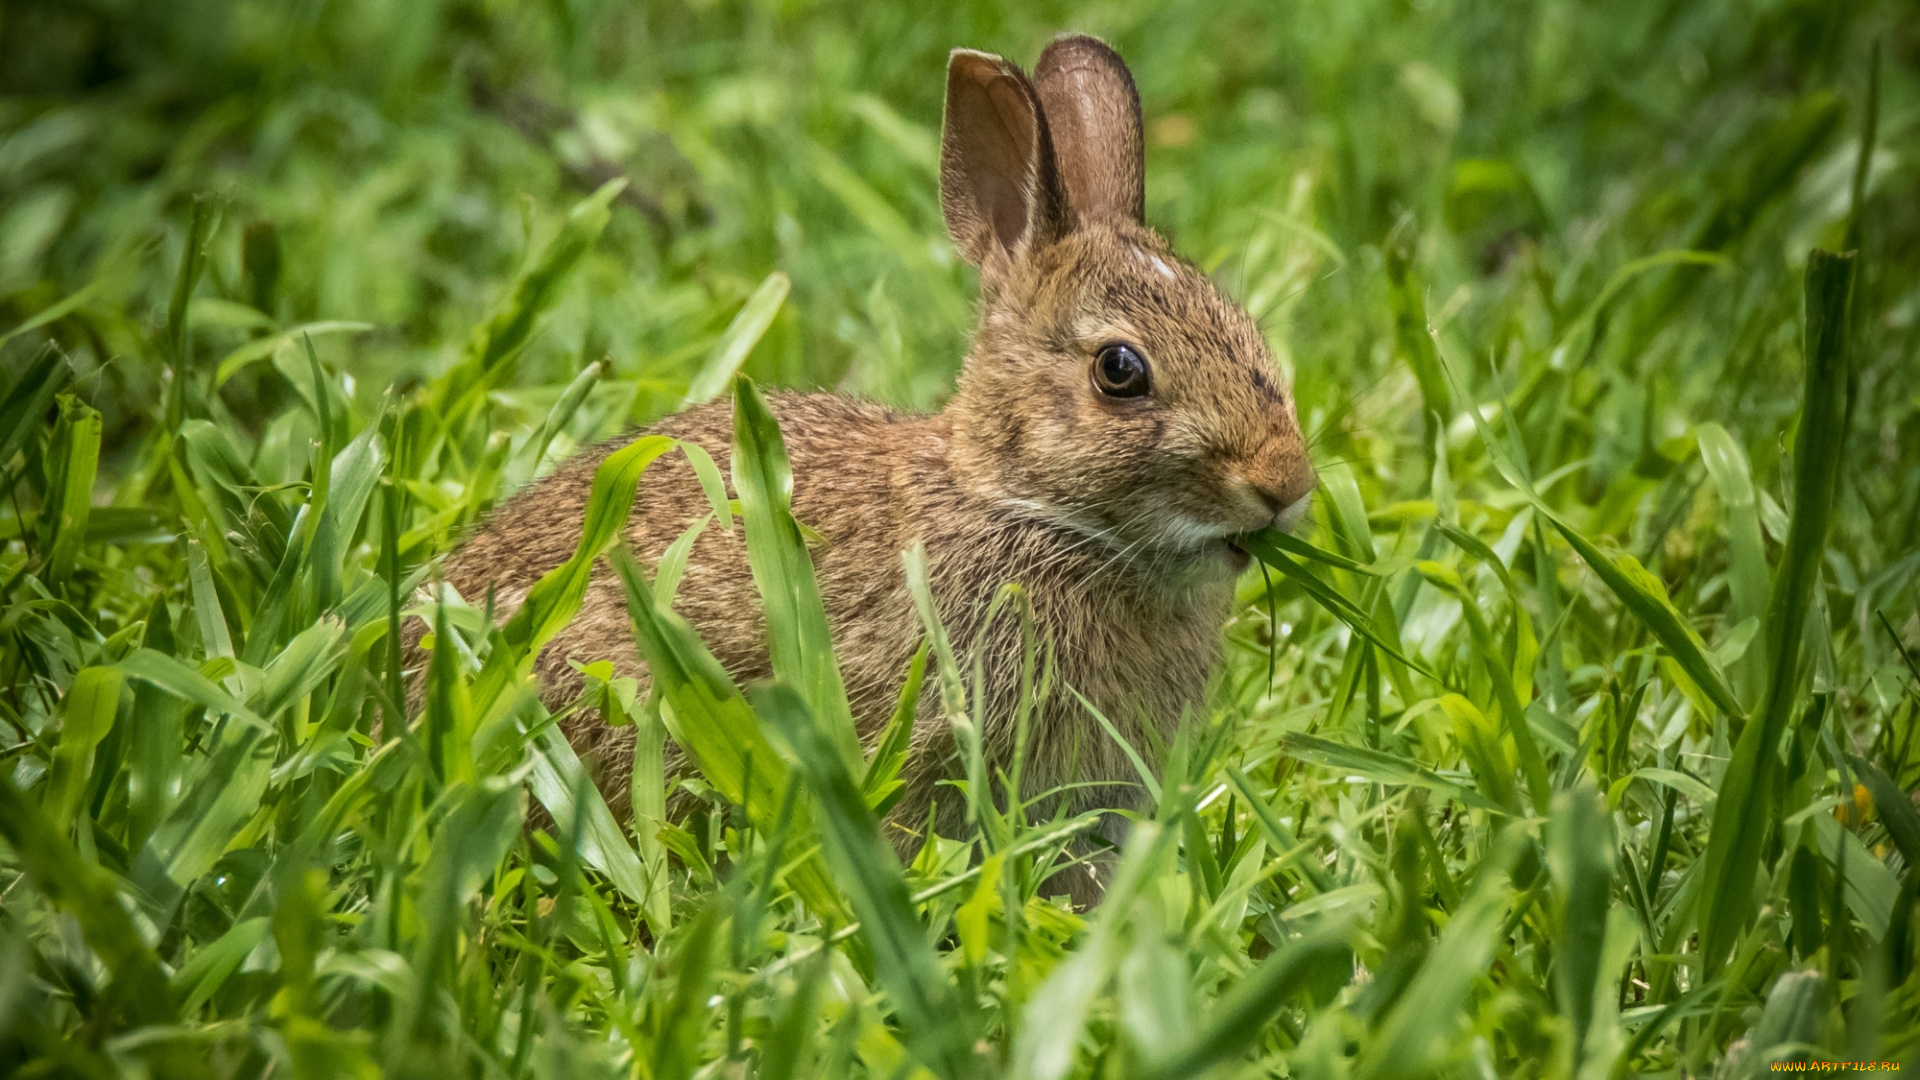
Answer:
(1382, 766)
(1327, 597)
(508, 330)
(556, 598)
(1743, 814)
(535, 449)
(1055, 1017)
(933, 1022)
(1322, 957)
(181, 680)
(685, 1015)
(1407, 298)
(75, 454)
(155, 760)
(891, 750)
(263, 348)
(1539, 784)
(1292, 544)
(556, 777)
(263, 636)
(954, 709)
(29, 398)
(749, 325)
(798, 639)
(712, 721)
(92, 702)
(1417, 1035)
(1486, 755)
(1580, 859)
(1747, 569)
(175, 337)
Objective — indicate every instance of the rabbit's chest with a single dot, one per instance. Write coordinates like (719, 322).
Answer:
(1151, 661)
(1140, 660)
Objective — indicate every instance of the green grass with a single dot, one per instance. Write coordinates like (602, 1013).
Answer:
(1576, 738)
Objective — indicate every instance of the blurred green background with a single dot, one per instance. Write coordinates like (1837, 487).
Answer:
(1602, 211)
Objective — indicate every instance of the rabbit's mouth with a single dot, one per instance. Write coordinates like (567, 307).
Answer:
(1236, 556)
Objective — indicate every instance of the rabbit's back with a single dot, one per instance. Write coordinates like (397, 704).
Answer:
(850, 460)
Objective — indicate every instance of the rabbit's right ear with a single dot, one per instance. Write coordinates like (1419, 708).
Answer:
(997, 182)
(1093, 112)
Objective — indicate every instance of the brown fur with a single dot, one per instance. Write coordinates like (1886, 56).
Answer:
(1114, 514)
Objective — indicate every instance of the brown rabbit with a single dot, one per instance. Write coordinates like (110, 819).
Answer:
(1117, 422)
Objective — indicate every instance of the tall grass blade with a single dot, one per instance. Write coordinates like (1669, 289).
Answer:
(75, 459)
(798, 639)
(685, 1016)
(556, 598)
(1493, 661)
(1580, 858)
(560, 782)
(1747, 570)
(1411, 330)
(710, 719)
(1743, 814)
(264, 348)
(891, 750)
(29, 398)
(1643, 594)
(154, 759)
(1056, 1016)
(536, 291)
(181, 393)
(738, 340)
(92, 702)
(933, 1022)
(1417, 1037)
(1293, 545)
(535, 449)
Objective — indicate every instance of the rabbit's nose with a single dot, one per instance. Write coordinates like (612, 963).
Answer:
(1283, 494)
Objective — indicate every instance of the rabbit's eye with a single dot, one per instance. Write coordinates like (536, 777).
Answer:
(1119, 371)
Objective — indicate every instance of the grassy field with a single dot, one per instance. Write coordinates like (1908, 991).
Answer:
(1577, 740)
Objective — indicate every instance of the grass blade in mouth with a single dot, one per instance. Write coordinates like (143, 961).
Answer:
(1263, 547)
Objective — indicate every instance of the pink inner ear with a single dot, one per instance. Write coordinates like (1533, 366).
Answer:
(996, 173)
(1006, 184)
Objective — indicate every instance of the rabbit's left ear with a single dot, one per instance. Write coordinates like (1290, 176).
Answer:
(1093, 115)
(998, 187)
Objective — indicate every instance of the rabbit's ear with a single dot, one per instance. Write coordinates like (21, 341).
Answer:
(1093, 113)
(997, 181)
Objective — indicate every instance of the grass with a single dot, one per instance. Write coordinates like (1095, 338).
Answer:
(1575, 738)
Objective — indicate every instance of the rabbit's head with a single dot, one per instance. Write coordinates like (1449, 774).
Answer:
(1111, 388)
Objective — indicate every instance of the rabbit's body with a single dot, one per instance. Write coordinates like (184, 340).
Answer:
(1117, 422)
(871, 482)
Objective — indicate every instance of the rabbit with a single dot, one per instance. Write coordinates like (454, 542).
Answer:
(1117, 422)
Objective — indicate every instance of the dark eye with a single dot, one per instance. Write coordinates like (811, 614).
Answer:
(1119, 371)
